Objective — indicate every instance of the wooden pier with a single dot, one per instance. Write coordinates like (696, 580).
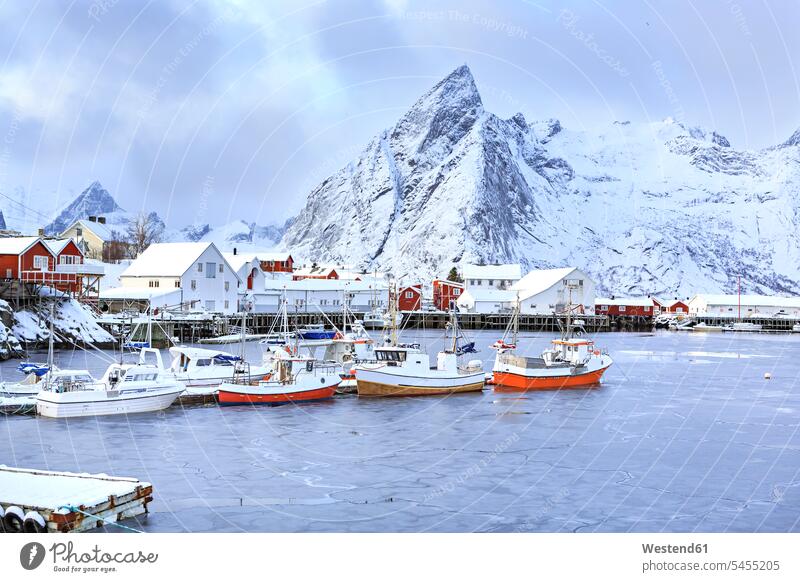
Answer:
(34, 501)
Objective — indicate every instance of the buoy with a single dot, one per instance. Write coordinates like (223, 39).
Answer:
(34, 523)
(14, 519)
(767, 375)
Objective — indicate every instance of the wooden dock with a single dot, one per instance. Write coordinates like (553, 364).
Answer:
(34, 501)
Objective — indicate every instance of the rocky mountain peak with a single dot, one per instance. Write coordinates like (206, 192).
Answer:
(794, 140)
(93, 201)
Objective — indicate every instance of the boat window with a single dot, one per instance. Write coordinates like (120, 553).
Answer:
(222, 362)
(203, 362)
(140, 378)
(82, 378)
(390, 356)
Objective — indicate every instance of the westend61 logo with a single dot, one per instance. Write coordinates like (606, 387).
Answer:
(66, 559)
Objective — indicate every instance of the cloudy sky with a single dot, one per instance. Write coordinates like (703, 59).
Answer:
(226, 109)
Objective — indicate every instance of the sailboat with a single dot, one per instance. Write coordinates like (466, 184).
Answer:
(405, 370)
(572, 361)
(288, 382)
(123, 389)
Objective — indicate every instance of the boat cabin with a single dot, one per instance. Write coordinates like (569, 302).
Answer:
(187, 359)
(574, 351)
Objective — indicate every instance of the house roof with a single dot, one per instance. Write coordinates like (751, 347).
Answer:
(169, 259)
(540, 280)
(481, 295)
(16, 245)
(750, 300)
(273, 256)
(322, 285)
(239, 260)
(101, 230)
(57, 245)
(626, 301)
(510, 272)
(132, 293)
(319, 271)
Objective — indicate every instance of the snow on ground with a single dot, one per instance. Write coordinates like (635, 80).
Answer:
(73, 323)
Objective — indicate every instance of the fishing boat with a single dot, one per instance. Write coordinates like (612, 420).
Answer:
(709, 328)
(123, 389)
(572, 362)
(292, 378)
(405, 370)
(316, 331)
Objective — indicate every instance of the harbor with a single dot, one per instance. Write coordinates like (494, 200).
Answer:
(684, 433)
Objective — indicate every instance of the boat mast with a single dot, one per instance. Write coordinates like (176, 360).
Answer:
(515, 323)
(739, 286)
(150, 323)
(285, 320)
(393, 313)
(50, 342)
(454, 325)
(244, 333)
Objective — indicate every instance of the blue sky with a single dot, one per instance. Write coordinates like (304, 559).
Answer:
(215, 111)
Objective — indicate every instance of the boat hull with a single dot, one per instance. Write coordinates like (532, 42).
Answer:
(273, 394)
(317, 335)
(366, 388)
(79, 404)
(514, 381)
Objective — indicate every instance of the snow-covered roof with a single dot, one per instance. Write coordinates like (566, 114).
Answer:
(101, 230)
(481, 295)
(273, 256)
(540, 280)
(167, 259)
(16, 245)
(751, 300)
(511, 272)
(323, 285)
(626, 301)
(132, 293)
(318, 271)
(57, 245)
(238, 260)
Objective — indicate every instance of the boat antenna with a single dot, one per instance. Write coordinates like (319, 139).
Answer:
(244, 328)
(150, 322)
(454, 323)
(393, 313)
(516, 320)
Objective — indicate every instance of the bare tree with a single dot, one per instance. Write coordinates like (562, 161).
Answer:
(143, 231)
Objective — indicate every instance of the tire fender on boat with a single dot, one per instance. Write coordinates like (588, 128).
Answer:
(14, 519)
(34, 523)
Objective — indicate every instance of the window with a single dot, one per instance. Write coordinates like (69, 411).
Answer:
(456, 292)
(79, 232)
(203, 362)
(211, 270)
(177, 283)
(227, 286)
(409, 295)
(226, 304)
(491, 282)
(647, 308)
(604, 308)
(210, 305)
(69, 260)
(679, 310)
(220, 267)
(479, 281)
(8, 273)
(199, 267)
(152, 283)
(194, 285)
(622, 308)
(40, 262)
(323, 301)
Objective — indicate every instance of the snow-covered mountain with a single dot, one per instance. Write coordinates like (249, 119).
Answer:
(238, 232)
(648, 208)
(94, 201)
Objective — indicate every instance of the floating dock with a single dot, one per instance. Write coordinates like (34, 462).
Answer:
(34, 501)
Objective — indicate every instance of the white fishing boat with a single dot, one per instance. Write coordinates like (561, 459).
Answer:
(402, 370)
(745, 326)
(709, 328)
(123, 389)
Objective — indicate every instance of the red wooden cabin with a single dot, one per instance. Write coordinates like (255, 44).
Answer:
(444, 292)
(410, 298)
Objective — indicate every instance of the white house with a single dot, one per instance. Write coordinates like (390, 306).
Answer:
(545, 291)
(191, 275)
(248, 268)
(751, 305)
(491, 276)
(321, 295)
(489, 300)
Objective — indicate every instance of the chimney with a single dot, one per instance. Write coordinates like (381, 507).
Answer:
(101, 219)
(41, 232)
(92, 219)
(234, 250)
